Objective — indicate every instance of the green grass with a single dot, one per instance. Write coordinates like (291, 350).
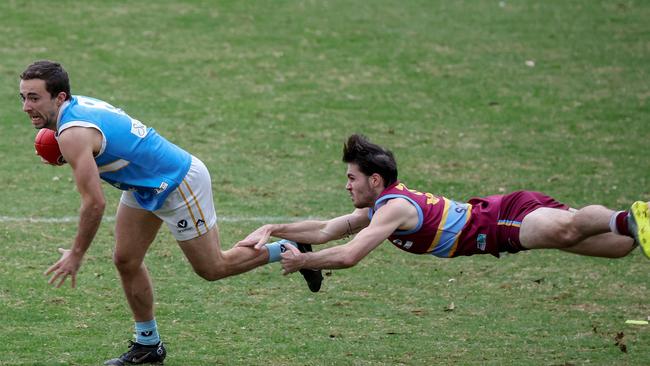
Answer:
(265, 93)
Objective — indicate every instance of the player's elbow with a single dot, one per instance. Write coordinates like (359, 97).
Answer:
(321, 238)
(325, 235)
(348, 262)
(350, 259)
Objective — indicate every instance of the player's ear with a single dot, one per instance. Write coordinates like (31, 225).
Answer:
(61, 97)
(376, 180)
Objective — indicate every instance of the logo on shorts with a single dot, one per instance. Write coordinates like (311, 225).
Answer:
(200, 222)
(481, 242)
(183, 226)
(406, 245)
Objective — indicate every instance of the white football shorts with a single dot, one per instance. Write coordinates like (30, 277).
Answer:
(189, 210)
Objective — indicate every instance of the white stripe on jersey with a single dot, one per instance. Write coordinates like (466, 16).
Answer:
(116, 165)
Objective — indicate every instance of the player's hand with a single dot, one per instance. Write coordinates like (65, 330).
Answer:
(67, 265)
(292, 260)
(257, 238)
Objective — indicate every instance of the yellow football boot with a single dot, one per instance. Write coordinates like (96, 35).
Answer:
(639, 225)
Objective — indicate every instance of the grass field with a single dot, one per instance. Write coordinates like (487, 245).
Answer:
(474, 98)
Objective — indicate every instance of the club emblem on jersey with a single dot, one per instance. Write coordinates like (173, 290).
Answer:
(138, 129)
(162, 187)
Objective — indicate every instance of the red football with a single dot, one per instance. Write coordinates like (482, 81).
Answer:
(47, 147)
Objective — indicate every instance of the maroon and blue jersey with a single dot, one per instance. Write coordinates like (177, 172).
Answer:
(440, 221)
(448, 228)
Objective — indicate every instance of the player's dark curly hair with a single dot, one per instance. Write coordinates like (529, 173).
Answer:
(370, 158)
(56, 78)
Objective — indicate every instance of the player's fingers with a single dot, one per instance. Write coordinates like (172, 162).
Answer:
(293, 249)
(65, 275)
(287, 270)
(51, 269)
(54, 278)
(243, 243)
(55, 265)
(263, 240)
(74, 280)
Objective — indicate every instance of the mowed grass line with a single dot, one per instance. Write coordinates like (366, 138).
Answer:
(265, 94)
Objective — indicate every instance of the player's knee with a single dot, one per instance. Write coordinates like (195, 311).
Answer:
(210, 274)
(622, 250)
(567, 235)
(125, 263)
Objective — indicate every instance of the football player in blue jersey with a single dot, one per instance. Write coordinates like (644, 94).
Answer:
(161, 183)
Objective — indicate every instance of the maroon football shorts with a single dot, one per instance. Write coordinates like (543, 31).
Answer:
(496, 220)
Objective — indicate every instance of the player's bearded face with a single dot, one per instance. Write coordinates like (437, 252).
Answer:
(39, 105)
(359, 187)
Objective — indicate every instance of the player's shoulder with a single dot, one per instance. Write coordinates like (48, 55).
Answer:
(87, 101)
(82, 103)
(398, 202)
(397, 206)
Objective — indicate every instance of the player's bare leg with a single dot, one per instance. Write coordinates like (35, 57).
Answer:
(585, 231)
(608, 245)
(211, 263)
(135, 230)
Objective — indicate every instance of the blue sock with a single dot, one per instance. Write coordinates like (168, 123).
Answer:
(147, 332)
(276, 248)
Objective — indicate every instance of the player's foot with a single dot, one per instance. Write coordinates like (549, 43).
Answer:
(639, 225)
(314, 277)
(140, 354)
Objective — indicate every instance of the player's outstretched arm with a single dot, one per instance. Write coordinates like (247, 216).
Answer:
(77, 148)
(309, 231)
(387, 219)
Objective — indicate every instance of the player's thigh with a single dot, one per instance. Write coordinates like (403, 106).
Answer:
(189, 210)
(135, 230)
(203, 252)
(545, 228)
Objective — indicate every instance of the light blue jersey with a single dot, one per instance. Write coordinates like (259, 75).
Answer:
(133, 156)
